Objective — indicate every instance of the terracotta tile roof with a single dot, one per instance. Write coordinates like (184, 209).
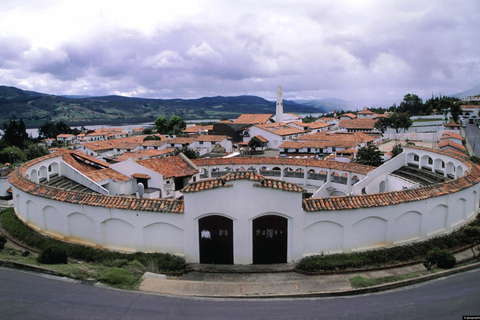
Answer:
(301, 124)
(294, 115)
(451, 135)
(253, 118)
(222, 182)
(335, 139)
(65, 135)
(140, 176)
(149, 153)
(93, 199)
(121, 143)
(103, 174)
(181, 140)
(197, 129)
(211, 138)
(18, 180)
(89, 159)
(317, 125)
(170, 167)
(154, 143)
(357, 124)
(365, 111)
(261, 138)
(471, 177)
(451, 144)
(280, 129)
(380, 116)
(350, 115)
(452, 125)
(272, 161)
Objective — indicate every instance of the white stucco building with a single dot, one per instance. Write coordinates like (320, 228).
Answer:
(252, 210)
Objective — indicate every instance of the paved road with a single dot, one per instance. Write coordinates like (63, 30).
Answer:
(32, 296)
(472, 133)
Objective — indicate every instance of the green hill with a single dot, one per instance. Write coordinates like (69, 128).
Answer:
(36, 108)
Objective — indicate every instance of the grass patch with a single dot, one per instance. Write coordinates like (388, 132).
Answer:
(362, 282)
(139, 261)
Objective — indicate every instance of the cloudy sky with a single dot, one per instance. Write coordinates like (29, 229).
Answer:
(353, 50)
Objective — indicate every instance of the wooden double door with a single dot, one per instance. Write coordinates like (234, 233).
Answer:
(270, 240)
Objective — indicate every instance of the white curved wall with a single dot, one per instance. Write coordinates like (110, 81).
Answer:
(328, 231)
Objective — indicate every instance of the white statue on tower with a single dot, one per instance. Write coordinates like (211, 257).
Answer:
(279, 111)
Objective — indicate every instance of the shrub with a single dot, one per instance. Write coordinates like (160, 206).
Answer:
(3, 241)
(53, 254)
(439, 258)
(116, 276)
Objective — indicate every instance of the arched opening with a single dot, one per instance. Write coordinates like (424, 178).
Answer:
(270, 239)
(381, 188)
(215, 235)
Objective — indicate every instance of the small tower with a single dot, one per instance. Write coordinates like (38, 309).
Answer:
(279, 111)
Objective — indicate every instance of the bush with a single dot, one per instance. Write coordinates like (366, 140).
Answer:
(438, 258)
(53, 254)
(116, 276)
(3, 241)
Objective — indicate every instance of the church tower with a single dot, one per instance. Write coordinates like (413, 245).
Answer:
(279, 111)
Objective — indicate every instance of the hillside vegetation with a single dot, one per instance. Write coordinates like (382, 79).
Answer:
(36, 108)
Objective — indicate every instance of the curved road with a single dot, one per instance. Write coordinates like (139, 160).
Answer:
(472, 133)
(32, 296)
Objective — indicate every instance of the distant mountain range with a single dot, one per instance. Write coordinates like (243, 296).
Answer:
(36, 108)
(470, 92)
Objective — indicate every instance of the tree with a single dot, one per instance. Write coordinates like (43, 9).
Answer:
(188, 152)
(34, 151)
(161, 124)
(382, 124)
(413, 104)
(176, 125)
(51, 130)
(472, 234)
(255, 143)
(369, 155)
(12, 155)
(396, 150)
(15, 133)
(152, 137)
(401, 120)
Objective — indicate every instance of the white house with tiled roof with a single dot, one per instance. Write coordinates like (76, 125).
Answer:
(275, 133)
(207, 143)
(247, 210)
(365, 114)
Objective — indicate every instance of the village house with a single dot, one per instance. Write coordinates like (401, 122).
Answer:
(274, 133)
(66, 138)
(366, 114)
(197, 129)
(311, 127)
(354, 125)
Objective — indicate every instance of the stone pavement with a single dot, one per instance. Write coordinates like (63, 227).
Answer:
(273, 281)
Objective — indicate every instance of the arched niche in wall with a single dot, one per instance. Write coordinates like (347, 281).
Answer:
(323, 237)
(163, 237)
(436, 220)
(54, 168)
(354, 180)
(42, 173)
(34, 175)
(33, 215)
(407, 227)
(81, 228)
(450, 168)
(381, 187)
(52, 220)
(118, 234)
(459, 171)
(457, 212)
(439, 165)
(370, 232)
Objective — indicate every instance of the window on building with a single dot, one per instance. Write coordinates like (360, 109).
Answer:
(416, 158)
